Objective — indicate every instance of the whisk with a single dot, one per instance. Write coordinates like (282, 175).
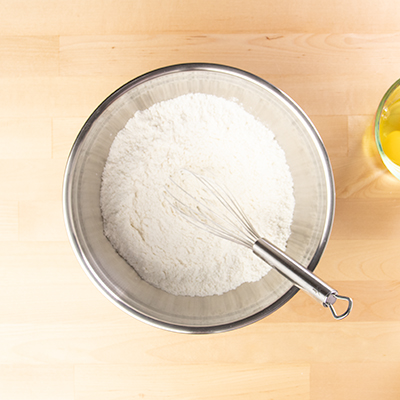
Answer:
(232, 224)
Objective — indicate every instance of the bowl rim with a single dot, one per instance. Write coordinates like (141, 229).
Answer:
(67, 195)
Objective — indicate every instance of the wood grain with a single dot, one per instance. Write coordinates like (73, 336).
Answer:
(41, 221)
(25, 138)
(9, 220)
(31, 179)
(328, 54)
(29, 55)
(66, 17)
(369, 382)
(38, 97)
(221, 381)
(59, 384)
(361, 260)
(60, 338)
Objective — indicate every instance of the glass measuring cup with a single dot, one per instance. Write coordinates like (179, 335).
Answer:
(387, 129)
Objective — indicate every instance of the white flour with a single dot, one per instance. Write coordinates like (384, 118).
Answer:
(213, 137)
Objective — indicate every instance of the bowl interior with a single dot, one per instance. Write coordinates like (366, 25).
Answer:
(313, 190)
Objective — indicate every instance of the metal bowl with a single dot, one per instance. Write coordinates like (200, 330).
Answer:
(313, 191)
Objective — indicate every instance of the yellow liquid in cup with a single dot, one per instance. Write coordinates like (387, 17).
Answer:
(389, 131)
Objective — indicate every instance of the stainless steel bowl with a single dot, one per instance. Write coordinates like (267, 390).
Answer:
(313, 190)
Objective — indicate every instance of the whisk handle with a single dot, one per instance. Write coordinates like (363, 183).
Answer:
(300, 276)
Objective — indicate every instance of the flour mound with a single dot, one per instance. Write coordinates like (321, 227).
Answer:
(213, 137)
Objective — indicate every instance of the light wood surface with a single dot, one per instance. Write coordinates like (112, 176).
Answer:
(60, 338)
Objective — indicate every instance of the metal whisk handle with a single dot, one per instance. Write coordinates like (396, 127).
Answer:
(301, 277)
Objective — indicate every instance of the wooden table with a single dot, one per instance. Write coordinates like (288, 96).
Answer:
(60, 338)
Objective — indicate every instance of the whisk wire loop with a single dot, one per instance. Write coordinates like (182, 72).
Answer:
(233, 226)
(230, 203)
